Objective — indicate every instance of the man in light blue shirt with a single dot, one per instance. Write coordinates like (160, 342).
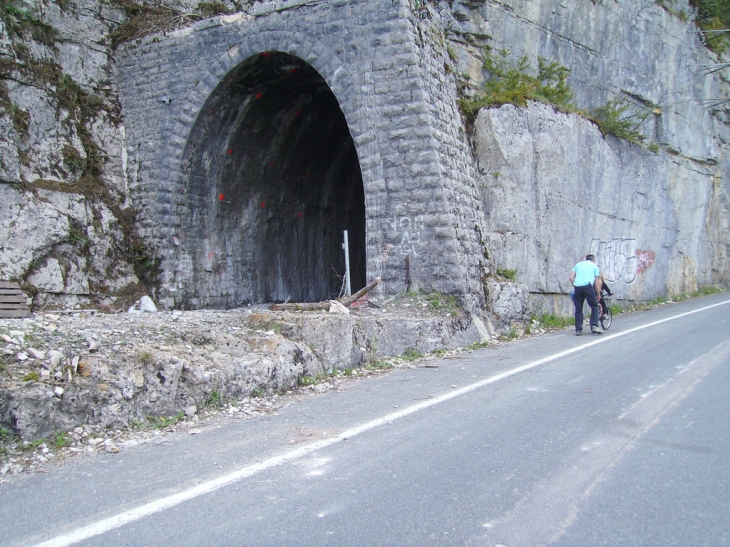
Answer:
(585, 278)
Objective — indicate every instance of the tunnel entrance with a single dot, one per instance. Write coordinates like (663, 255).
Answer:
(272, 179)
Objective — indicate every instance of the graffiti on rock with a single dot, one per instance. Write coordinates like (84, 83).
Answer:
(620, 259)
(406, 230)
(646, 259)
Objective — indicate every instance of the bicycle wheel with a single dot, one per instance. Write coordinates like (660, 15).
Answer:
(607, 318)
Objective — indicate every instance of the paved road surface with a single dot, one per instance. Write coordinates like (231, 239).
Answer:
(619, 440)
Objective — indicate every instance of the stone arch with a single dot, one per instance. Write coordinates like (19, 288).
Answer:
(270, 178)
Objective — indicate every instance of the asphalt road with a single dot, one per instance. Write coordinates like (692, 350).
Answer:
(618, 440)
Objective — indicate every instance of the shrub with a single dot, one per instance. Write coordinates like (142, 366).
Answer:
(713, 16)
(61, 440)
(441, 302)
(551, 321)
(507, 273)
(411, 355)
(611, 120)
(514, 85)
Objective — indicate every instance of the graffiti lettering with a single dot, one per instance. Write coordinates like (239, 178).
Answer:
(407, 232)
(646, 259)
(620, 259)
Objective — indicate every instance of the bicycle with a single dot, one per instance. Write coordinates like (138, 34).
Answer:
(606, 317)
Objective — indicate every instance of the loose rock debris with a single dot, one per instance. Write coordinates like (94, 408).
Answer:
(85, 383)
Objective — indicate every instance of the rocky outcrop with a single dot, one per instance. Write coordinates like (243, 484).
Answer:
(66, 228)
(554, 187)
(108, 370)
(63, 246)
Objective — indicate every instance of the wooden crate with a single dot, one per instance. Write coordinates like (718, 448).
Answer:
(13, 302)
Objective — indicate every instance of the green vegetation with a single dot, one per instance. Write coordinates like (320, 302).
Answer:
(77, 236)
(509, 84)
(214, 399)
(507, 274)
(551, 321)
(667, 5)
(713, 16)
(61, 440)
(72, 160)
(612, 120)
(306, 381)
(411, 354)
(145, 358)
(146, 18)
(451, 53)
(80, 108)
(211, 9)
(706, 291)
(440, 302)
(514, 85)
(380, 364)
(32, 377)
(274, 326)
(645, 305)
(160, 422)
(22, 24)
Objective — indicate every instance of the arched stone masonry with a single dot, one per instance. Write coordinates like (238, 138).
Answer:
(272, 180)
(421, 218)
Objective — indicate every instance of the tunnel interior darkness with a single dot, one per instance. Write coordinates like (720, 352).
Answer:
(272, 179)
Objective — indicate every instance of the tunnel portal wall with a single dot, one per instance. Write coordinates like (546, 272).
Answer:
(420, 205)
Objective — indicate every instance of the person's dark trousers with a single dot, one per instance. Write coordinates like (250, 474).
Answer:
(582, 294)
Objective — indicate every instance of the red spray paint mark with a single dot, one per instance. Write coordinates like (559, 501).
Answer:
(646, 259)
(297, 112)
(211, 255)
(300, 215)
(263, 204)
(259, 95)
(264, 54)
(221, 197)
(271, 164)
(230, 151)
(293, 70)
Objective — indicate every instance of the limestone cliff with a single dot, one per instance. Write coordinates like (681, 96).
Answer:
(552, 186)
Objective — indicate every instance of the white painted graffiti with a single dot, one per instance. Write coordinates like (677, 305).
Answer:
(620, 259)
(406, 230)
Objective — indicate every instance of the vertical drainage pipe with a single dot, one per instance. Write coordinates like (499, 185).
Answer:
(346, 247)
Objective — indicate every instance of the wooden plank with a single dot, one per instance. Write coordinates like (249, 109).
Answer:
(9, 285)
(12, 298)
(13, 302)
(7, 314)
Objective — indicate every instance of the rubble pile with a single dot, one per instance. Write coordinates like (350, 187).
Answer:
(78, 368)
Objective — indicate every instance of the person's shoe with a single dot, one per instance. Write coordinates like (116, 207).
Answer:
(594, 330)
(578, 332)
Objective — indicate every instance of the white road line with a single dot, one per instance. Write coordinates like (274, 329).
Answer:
(125, 517)
(552, 505)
